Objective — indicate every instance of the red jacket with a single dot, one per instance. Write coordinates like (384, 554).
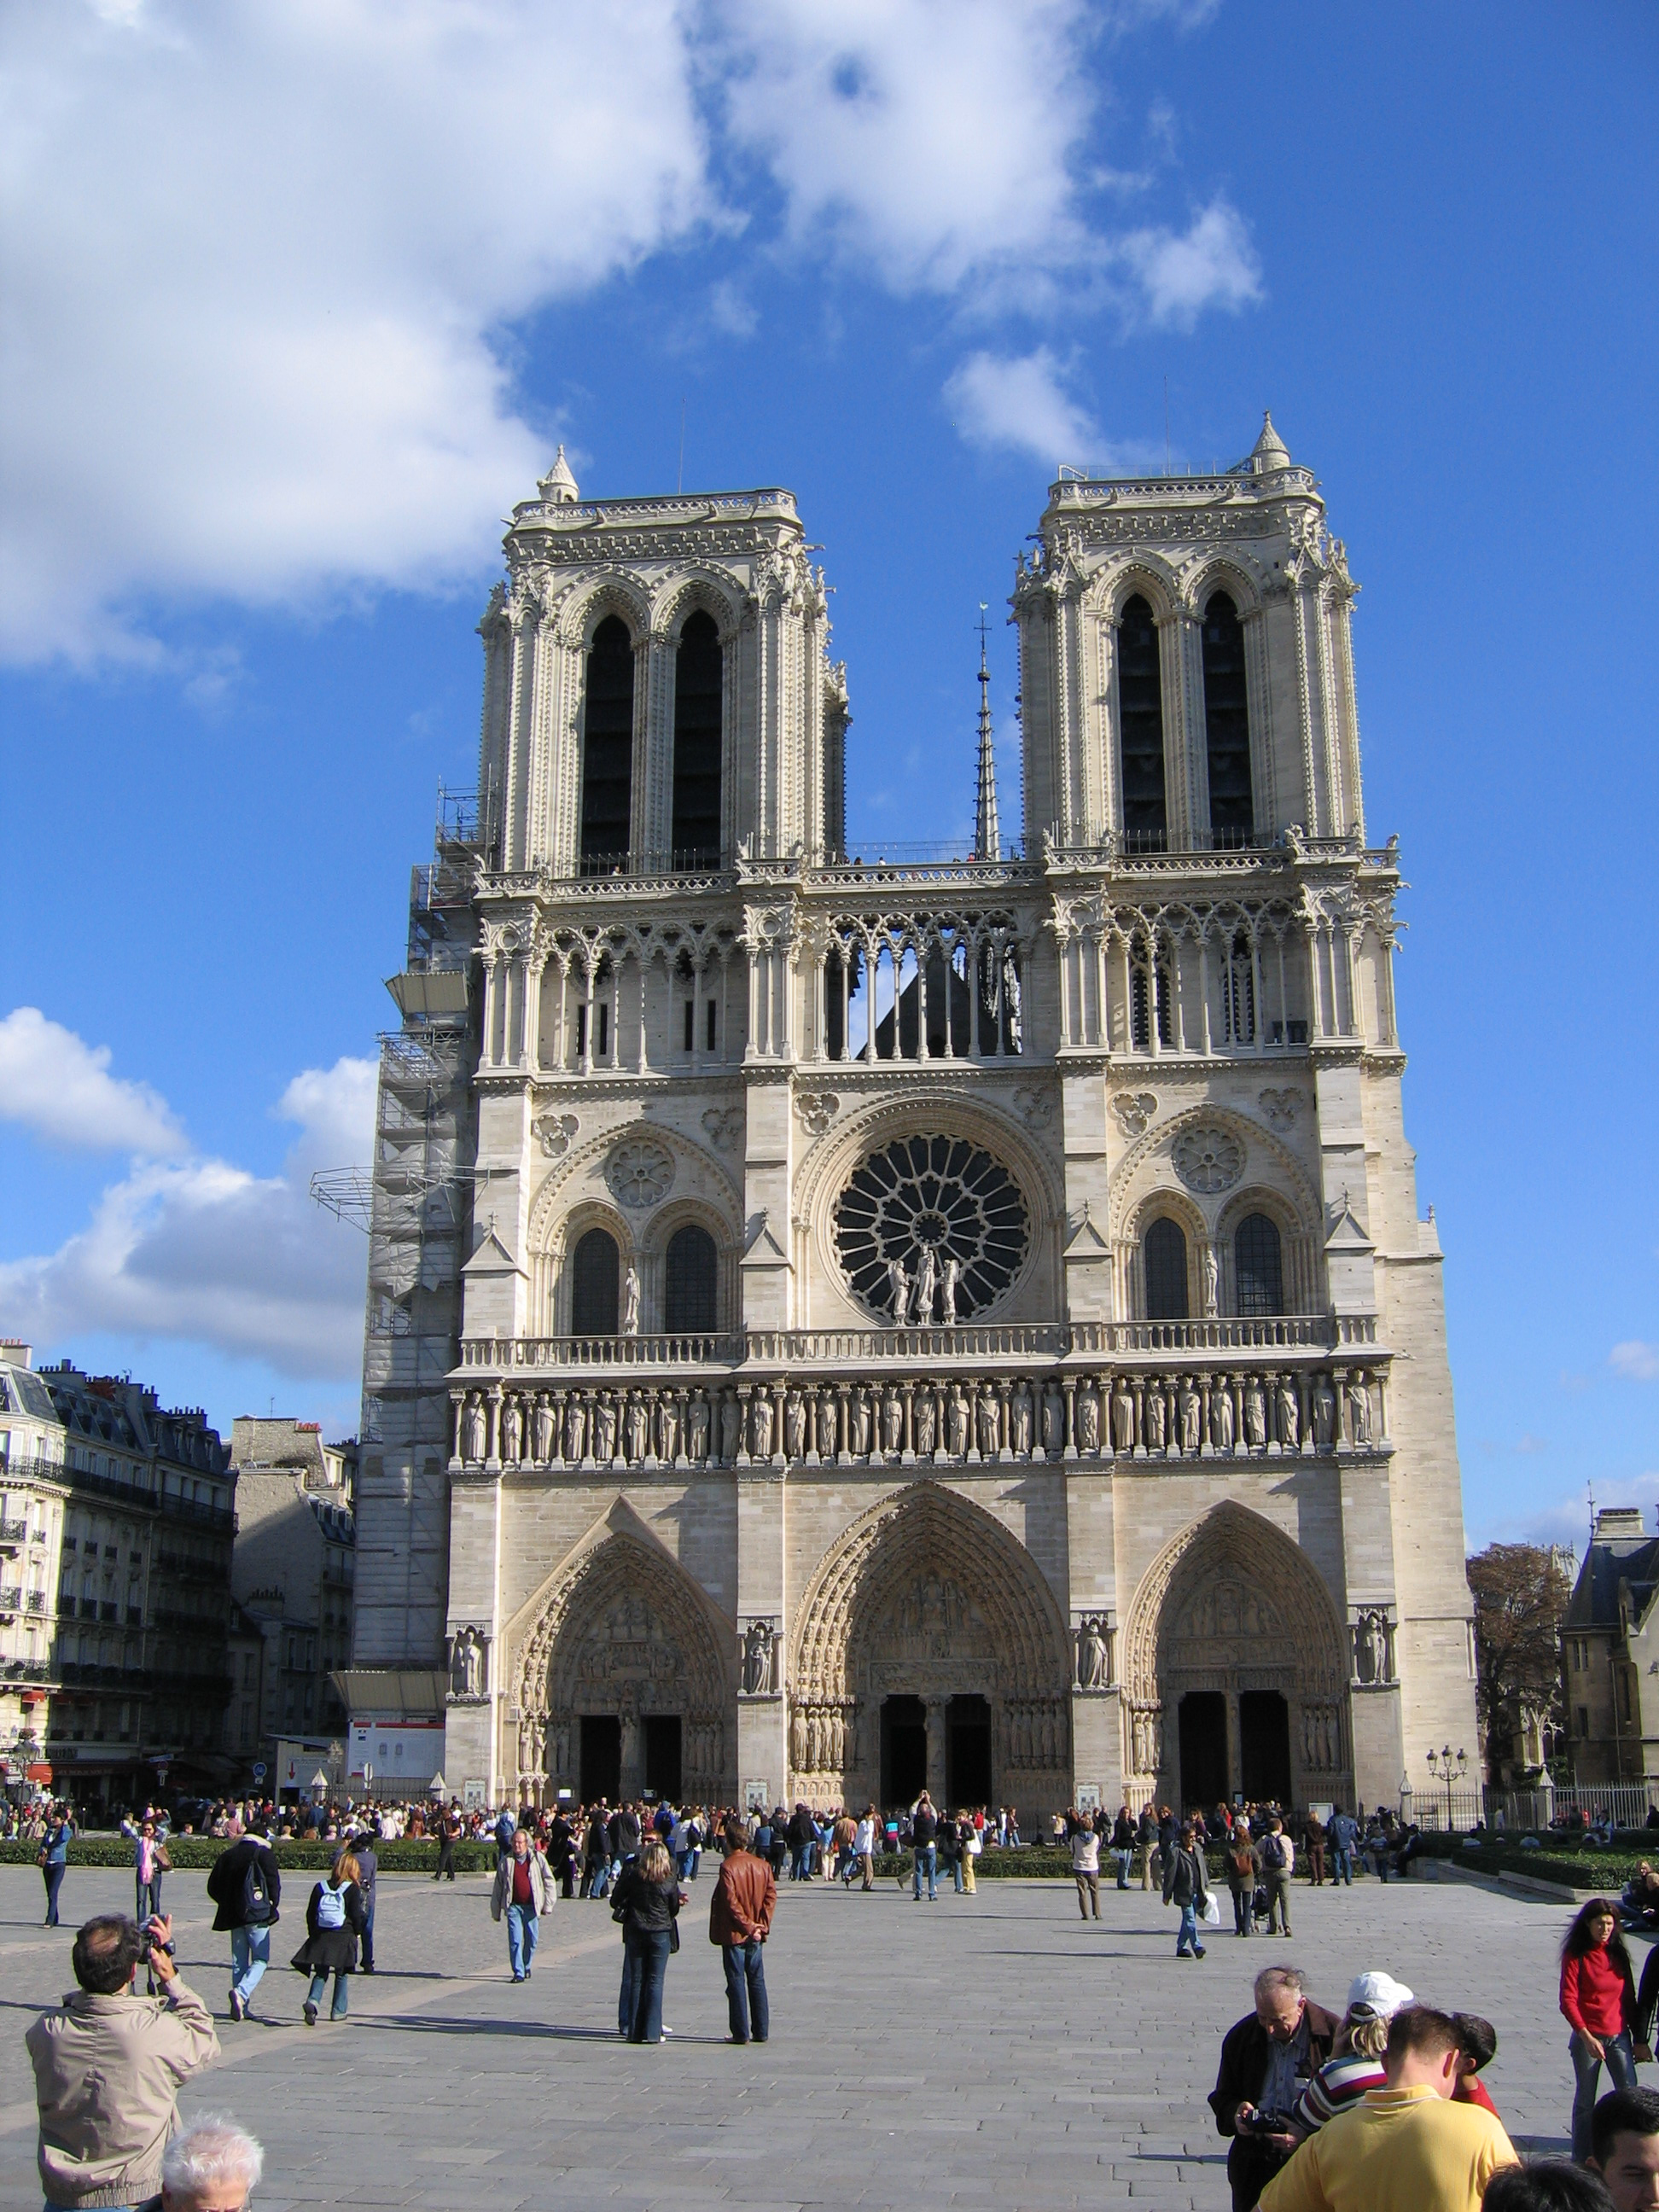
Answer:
(743, 1899)
(1595, 1994)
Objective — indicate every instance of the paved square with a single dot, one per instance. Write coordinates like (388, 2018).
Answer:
(991, 2051)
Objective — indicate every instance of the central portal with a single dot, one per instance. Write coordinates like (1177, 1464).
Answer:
(903, 1750)
(968, 1752)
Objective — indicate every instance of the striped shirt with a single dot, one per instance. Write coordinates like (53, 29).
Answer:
(1339, 2083)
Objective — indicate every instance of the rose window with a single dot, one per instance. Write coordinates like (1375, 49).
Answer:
(932, 1223)
(640, 1172)
(1208, 1159)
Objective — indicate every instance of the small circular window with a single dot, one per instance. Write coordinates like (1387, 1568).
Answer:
(930, 1230)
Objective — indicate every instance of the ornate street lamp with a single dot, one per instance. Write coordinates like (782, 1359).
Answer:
(1442, 1767)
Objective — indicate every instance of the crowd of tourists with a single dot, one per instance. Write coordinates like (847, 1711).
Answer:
(1379, 2105)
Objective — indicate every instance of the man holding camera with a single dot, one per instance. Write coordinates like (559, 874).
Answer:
(108, 2064)
(1267, 2059)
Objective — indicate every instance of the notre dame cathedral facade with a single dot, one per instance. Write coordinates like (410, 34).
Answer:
(844, 1320)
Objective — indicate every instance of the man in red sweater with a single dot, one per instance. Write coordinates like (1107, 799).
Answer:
(740, 1920)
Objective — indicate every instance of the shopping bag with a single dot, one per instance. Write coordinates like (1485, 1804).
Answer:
(1211, 1914)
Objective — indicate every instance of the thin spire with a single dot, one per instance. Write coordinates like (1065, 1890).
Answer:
(988, 832)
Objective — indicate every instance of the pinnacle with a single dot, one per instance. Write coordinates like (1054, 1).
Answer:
(1269, 451)
(558, 486)
(987, 831)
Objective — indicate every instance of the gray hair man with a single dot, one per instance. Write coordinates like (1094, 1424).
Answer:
(211, 2165)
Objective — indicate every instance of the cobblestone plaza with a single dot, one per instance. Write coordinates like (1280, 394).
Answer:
(981, 2051)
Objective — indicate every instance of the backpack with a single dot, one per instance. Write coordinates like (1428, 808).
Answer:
(1273, 1853)
(257, 1909)
(330, 1907)
(1243, 1864)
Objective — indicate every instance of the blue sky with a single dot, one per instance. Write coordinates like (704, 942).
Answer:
(299, 300)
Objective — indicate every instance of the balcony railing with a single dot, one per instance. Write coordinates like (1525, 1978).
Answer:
(968, 1345)
(11, 1598)
(13, 1532)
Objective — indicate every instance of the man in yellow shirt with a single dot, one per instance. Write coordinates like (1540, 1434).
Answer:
(1405, 2147)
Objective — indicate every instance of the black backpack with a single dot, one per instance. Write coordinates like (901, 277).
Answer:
(257, 1909)
(1273, 1853)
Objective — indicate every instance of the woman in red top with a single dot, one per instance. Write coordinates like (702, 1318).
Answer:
(1598, 1999)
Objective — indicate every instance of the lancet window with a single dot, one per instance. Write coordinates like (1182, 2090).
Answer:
(1238, 994)
(595, 1283)
(1151, 983)
(691, 1282)
(1141, 728)
(1258, 1266)
(922, 987)
(1163, 1256)
(1227, 725)
(696, 831)
(608, 745)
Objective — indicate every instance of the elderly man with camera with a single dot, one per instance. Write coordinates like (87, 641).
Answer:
(108, 2064)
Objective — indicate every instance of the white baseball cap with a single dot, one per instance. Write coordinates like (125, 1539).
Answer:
(1380, 1993)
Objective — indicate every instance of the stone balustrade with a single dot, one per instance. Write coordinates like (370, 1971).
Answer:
(1263, 1407)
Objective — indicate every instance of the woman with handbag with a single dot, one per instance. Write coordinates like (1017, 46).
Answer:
(53, 1857)
(647, 1900)
(334, 1921)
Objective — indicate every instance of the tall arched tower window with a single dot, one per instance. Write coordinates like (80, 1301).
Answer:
(691, 1287)
(1227, 723)
(594, 1285)
(1141, 728)
(1163, 1253)
(608, 742)
(1258, 1266)
(697, 827)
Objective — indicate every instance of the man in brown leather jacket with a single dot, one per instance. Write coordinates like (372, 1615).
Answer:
(1285, 2041)
(739, 1920)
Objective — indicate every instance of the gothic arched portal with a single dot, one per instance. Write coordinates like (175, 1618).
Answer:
(1234, 1671)
(930, 1648)
(621, 1684)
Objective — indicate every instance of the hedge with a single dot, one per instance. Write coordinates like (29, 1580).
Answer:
(1593, 1870)
(408, 1855)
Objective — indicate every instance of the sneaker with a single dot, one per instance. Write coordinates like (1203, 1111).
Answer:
(310, 2011)
(238, 2009)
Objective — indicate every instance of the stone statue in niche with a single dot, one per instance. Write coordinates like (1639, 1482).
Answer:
(1365, 1648)
(1019, 1418)
(512, 1432)
(826, 1425)
(1359, 1410)
(472, 1428)
(956, 1421)
(922, 1308)
(604, 1429)
(893, 1421)
(1053, 1419)
(761, 1425)
(1324, 1413)
(697, 1428)
(1221, 1415)
(989, 1425)
(1155, 1417)
(858, 1424)
(898, 1284)
(575, 1428)
(630, 1319)
(1211, 1283)
(636, 1432)
(731, 1427)
(924, 1421)
(467, 1670)
(668, 1429)
(948, 1280)
(1255, 1416)
(1189, 1409)
(794, 1426)
(1091, 1662)
(543, 1429)
(1087, 1418)
(798, 1741)
(1287, 1415)
(758, 1657)
(1123, 1418)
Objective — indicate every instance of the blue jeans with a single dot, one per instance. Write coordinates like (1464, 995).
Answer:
(1342, 1864)
(523, 1927)
(1123, 1859)
(746, 2009)
(1186, 1934)
(319, 1984)
(54, 1870)
(649, 1948)
(927, 1861)
(1622, 2070)
(630, 1990)
(956, 1869)
(250, 1954)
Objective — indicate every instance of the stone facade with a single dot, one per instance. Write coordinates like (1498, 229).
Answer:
(954, 1320)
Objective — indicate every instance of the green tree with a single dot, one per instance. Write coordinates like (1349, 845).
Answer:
(1521, 1595)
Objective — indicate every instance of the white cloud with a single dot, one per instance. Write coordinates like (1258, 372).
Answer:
(1211, 263)
(60, 1089)
(1019, 401)
(1635, 1361)
(201, 1251)
(263, 261)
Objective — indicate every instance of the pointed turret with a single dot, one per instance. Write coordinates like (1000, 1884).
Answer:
(1268, 452)
(987, 831)
(558, 486)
